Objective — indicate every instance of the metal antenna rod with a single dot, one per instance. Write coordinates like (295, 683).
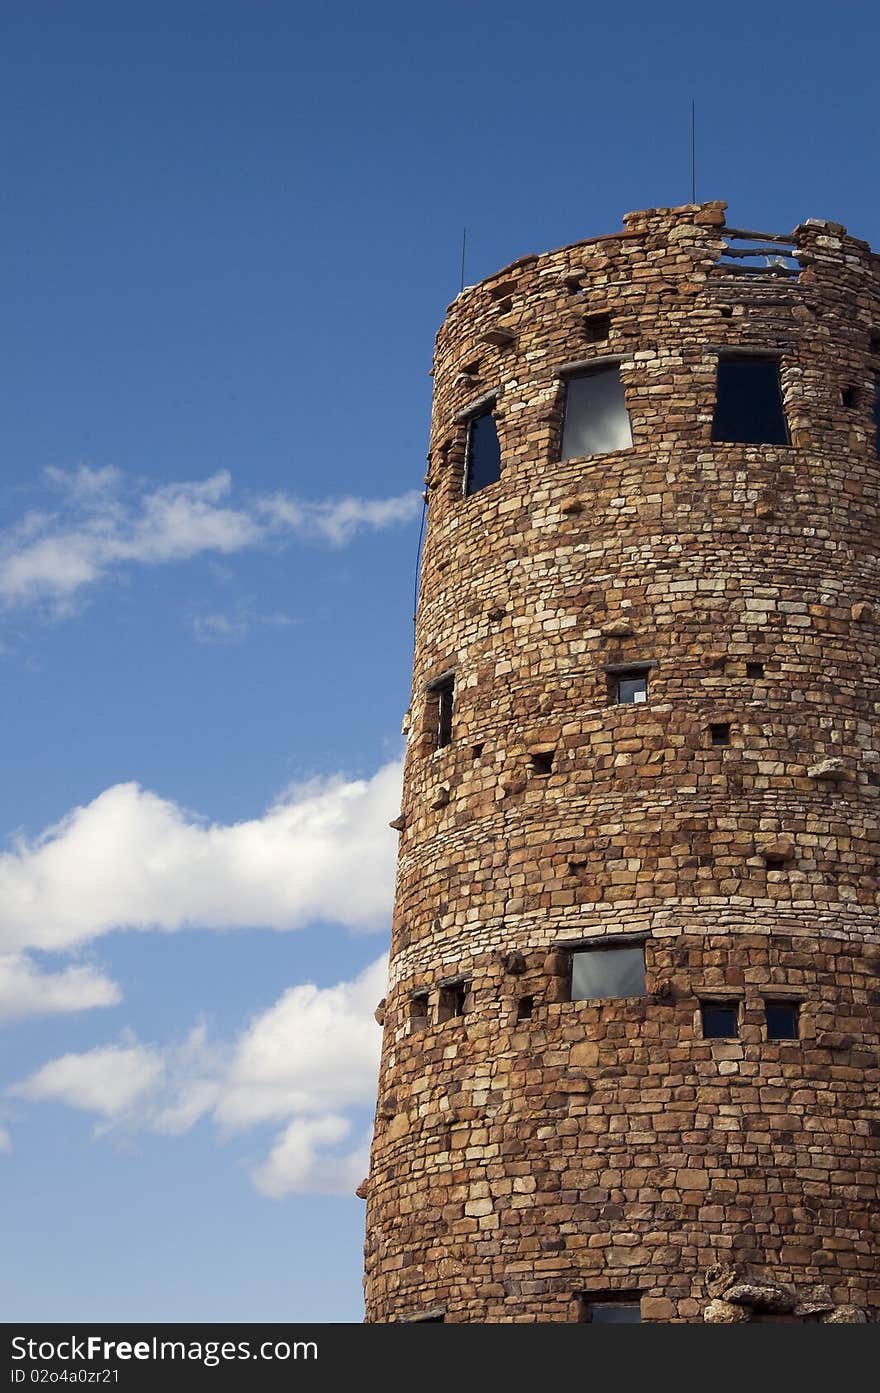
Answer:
(463, 246)
(693, 151)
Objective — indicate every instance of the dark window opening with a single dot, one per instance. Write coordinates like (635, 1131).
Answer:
(477, 751)
(877, 418)
(418, 1012)
(874, 343)
(783, 1019)
(720, 1020)
(755, 670)
(626, 688)
(748, 406)
(542, 763)
(597, 327)
(443, 693)
(596, 419)
(849, 397)
(524, 1008)
(453, 999)
(483, 456)
(720, 732)
(598, 973)
(874, 779)
(622, 1309)
(726, 311)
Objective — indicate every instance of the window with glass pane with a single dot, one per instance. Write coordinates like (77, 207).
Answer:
(607, 972)
(630, 688)
(720, 1020)
(624, 1312)
(748, 404)
(782, 1019)
(483, 453)
(596, 418)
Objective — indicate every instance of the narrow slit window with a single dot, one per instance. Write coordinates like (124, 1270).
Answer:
(849, 398)
(624, 1309)
(877, 418)
(453, 1000)
(748, 405)
(443, 693)
(720, 1020)
(596, 419)
(483, 458)
(418, 1012)
(783, 1019)
(524, 1008)
(598, 973)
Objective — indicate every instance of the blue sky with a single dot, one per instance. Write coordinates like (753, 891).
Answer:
(229, 233)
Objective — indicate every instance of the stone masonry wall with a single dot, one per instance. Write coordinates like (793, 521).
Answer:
(520, 1164)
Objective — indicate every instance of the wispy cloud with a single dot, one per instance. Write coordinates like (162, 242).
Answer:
(235, 627)
(303, 1064)
(26, 991)
(5, 1140)
(130, 859)
(101, 521)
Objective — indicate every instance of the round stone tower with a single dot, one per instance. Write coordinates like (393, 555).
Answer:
(630, 1041)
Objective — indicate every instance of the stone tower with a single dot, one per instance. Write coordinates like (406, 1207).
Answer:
(630, 1039)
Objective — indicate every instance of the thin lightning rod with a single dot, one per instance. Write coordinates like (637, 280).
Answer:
(463, 247)
(693, 151)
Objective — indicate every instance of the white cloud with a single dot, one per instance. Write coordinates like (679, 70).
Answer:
(103, 521)
(108, 1081)
(131, 859)
(235, 627)
(301, 1063)
(26, 991)
(5, 1140)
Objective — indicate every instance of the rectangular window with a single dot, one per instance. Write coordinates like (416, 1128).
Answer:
(483, 458)
(755, 670)
(442, 692)
(524, 1008)
(748, 405)
(720, 733)
(720, 1020)
(628, 686)
(418, 1012)
(625, 1309)
(453, 999)
(596, 418)
(600, 973)
(782, 1019)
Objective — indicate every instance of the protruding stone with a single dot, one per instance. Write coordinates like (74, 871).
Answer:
(725, 1313)
(572, 505)
(399, 823)
(379, 1013)
(813, 1301)
(363, 1189)
(441, 797)
(714, 658)
(618, 628)
(762, 1295)
(556, 963)
(862, 612)
(834, 1040)
(720, 1276)
(514, 963)
(845, 1315)
(778, 851)
(831, 770)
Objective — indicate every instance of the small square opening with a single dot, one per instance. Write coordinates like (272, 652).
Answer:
(720, 1020)
(542, 762)
(477, 751)
(783, 1019)
(597, 327)
(524, 1008)
(754, 670)
(849, 397)
(720, 732)
(453, 1000)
